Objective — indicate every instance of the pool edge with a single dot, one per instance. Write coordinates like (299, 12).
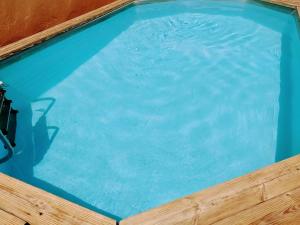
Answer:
(22, 202)
(223, 203)
(38, 38)
(193, 208)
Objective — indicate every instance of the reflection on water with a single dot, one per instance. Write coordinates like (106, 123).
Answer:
(157, 102)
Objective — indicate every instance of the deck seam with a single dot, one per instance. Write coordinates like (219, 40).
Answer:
(235, 214)
(195, 204)
(14, 215)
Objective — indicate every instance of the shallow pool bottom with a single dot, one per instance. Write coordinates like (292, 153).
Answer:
(156, 102)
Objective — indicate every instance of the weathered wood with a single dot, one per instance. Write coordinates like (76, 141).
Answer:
(284, 209)
(287, 3)
(9, 219)
(270, 195)
(39, 207)
(37, 38)
(224, 200)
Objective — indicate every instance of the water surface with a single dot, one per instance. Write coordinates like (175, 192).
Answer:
(156, 102)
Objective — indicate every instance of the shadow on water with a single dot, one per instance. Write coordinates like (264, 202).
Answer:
(288, 136)
(7, 156)
(32, 74)
(283, 148)
(56, 64)
(40, 131)
(35, 144)
(288, 127)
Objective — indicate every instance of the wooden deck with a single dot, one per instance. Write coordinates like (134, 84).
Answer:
(21, 203)
(287, 3)
(37, 38)
(267, 196)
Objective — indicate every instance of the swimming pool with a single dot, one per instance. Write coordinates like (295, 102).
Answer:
(156, 102)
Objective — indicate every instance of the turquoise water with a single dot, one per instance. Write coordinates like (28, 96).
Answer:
(156, 102)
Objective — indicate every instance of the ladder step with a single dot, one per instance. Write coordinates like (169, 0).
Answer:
(12, 126)
(4, 115)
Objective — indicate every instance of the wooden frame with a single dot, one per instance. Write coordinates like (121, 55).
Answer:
(42, 36)
(269, 195)
(286, 3)
(222, 204)
(22, 203)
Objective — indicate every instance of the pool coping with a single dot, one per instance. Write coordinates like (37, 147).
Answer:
(35, 39)
(21, 203)
(226, 203)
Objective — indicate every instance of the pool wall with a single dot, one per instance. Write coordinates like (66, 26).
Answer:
(211, 205)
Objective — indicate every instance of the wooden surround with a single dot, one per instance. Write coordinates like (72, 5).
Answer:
(267, 196)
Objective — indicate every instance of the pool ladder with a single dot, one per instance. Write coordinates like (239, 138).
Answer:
(8, 122)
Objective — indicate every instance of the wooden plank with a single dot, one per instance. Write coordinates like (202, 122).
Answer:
(39, 207)
(223, 204)
(226, 199)
(9, 219)
(287, 3)
(284, 209)
(282, 184)
(37, 38)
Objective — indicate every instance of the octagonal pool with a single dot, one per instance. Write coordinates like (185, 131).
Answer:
(157, 101)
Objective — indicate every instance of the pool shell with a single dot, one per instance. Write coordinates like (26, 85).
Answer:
(187, 210)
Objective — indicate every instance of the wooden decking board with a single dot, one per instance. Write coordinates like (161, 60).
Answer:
(37, 38)
(287, 3)
(9, 219)
(39, 207)
(267, 196)
(221, 201)
(284, 209)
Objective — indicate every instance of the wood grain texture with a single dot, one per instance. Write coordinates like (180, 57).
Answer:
(284, 209)
(9, 219)
(11, 49)
(37, 38)
(39, 207)
(227, 199)
(21, 19)
(267, 196)
(287, 3)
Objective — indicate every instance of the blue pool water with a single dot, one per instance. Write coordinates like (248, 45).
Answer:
(156, 102)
